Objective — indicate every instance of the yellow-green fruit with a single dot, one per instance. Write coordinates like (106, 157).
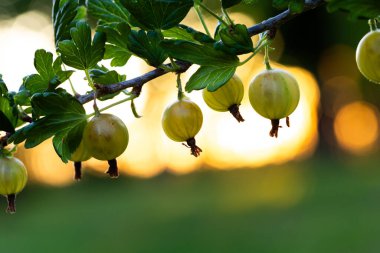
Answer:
(106, 137)
(274, 94)
(226, 96)
(368, 56)
(13, 176)
(182, 120)
(81, 153)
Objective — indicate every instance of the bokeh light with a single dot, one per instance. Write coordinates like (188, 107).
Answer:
(356, 127)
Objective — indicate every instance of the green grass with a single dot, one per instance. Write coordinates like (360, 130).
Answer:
(306, 207)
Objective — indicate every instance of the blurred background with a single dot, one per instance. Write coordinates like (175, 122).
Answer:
(314, 189)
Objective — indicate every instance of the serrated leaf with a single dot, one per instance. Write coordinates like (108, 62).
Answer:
(65, 15)
(146, 45)
(229, 3)
(367, 9)
(43, 62)
(108, 11)
(49, 76)
(156, 14)
(61, 75)
(204, 55)
(80, 52)
(211, 77)
(116, 47)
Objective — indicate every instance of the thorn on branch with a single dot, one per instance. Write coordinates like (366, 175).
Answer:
(137, 90)
(272, 33)
(4, 140)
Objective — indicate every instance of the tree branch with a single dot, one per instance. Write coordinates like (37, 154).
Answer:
(282, 18)
(269, 24)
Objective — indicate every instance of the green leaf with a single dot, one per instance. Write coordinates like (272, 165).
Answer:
(8, 114)
(22, 97)
(80, 52)
(158, 14)
(178, 33)
(65, 15)
(66, 142)
(116, 47)
(204, 55)
(49, 76)
(64, 116)
(104, 76)
(366, 9)
(198, 36)
(61, 75)
(211, 77)
(3, 86)
(34, 84)
(146, 45)
(236, 38)
(43, 62)
(48, 103)
(229, 3)
(108, 11)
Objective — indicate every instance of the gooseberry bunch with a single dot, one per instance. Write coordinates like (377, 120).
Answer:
(152, 31)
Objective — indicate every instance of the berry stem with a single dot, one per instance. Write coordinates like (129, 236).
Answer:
(78, 170)
(179, 86)
(225, 14)
(372, 24)
(11, 208)
(113, 171)
(71, 83)
(275, 126)
(266, 57)
(195, 150)
(199, 13)
(212, 13)
(234, 110)
(131, 97)
(287, 121)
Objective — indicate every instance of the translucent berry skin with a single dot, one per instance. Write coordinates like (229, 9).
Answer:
(106, 137)
(368, 56)
(274, 94)
(13, 176)
(81, 153)
(182, 120)
(223, 98)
